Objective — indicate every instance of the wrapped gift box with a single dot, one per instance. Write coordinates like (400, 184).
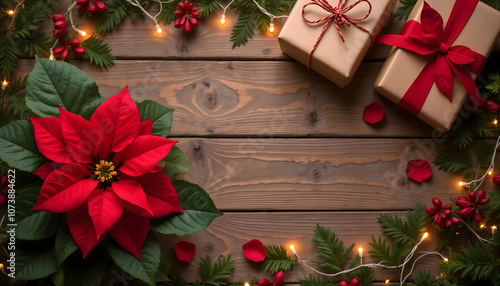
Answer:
(334, 59)
(402, 67)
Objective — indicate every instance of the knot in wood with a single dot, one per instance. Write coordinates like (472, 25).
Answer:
(312, 117)
(317, 171)
(197, 147)
(209, 247)
(211, 100)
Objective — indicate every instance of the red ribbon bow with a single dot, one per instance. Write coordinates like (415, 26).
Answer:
(429, 39)
(337, 15)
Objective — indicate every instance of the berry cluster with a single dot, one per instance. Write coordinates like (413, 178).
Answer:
(279, 280)
(60, 31)
(91, 6)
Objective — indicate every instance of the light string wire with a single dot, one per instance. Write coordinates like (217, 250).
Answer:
(374, 265)
(136, 4)
(224, 8)
(18, 6)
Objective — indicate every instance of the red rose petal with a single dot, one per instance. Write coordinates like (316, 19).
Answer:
(254, 250)
(373, 113)
(279, 278)
(185, 250)
(418, 170)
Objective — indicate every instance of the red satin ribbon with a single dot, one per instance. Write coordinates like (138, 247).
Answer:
(428, 38)
(337, 14)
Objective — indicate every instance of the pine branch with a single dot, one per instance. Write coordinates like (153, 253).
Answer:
(330, 249)
(8, 56)
(35, 43)
(207, 7)
(454, 160)
(277, 259)
(97, 53)
(213, 275)
(17, 103)
(168, 13)
(405, 9)
(476, 261)
(243, 29)
(315, 281)
(477, 123)
(391, 255)
(494, 86)
(404, 232)
(116, 13)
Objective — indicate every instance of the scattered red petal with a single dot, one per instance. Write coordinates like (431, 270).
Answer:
(254, 250)
(373, 113)
(185, 250)
(418, 170)
(279, 278)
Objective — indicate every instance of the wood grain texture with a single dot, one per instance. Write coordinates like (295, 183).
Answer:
(315, 174)
(228, 233)
(256, 98)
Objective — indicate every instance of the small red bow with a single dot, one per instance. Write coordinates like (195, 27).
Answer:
(428, 38)
(337, 14)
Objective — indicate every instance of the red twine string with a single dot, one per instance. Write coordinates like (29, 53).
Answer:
(337, 15)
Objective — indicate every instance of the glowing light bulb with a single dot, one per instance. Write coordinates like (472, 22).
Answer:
(445, 260)
(490, 172)
(4, 84)
(360, 250)
(461, 184)
(247, 284)
(223, 19)
(292, 247)
(271, 27)
(11, 12)
(52, 58)
(158, 29)
(83, 33)
(493, 230)
(425, 235)
(495, 122)
(387, 282)
(1, 266)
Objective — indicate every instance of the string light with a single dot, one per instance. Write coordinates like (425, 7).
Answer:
(4, 85)
(158, 29)
(495, 122)
(13, 13)
(360, 251)
(271, 25)
(387, 282)
(445, 260)
(154, 18)
(247, 284)
(223, 19)
(490, 172)
(461, 184)
(224, 8)
(493, 230)
(10, 12)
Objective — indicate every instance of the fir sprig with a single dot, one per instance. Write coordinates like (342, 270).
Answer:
(277, 259)
(315, 281)
(454, 160)
(494, 86)
(216, 274)
(243, 30)
(8, 56)
(404, 232)
(97, 53)
(391, 254)
(330, 249)
(207, 7)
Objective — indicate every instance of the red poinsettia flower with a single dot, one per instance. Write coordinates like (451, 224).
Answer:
(470, 205)
(254, 250)
(4, 190)
(91, 6)
(442, 214)
(104, 174)
(187, 16)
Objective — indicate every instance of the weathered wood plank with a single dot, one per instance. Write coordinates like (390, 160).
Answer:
(256, 98)
(228, 233)
(315, 174)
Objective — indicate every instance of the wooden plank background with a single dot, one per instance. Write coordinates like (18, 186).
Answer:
(279, 148)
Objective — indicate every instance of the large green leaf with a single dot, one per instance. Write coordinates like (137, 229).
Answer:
(33, 225)
(17, 142)
(32, 265)
(145, 269)
(176, 162)
(162, 116)
(65, 245)
(199, 211)
(87, 272)
(53, 83)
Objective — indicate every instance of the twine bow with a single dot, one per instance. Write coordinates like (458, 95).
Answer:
(337, 15)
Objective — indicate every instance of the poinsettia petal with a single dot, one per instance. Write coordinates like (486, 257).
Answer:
(143, 154)
(118, 118)
(133, 193)
(146, 127)
(418, 170)
(81, 137)
(431, 20)
(65, 189)
(48, 167)
(130, 232)
(50, 140)
(254, 250)
(373, 113)
(160, 193)
(185, 250)
(82, 229)
(105, 209)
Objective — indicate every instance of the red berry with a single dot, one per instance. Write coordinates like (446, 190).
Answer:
(354, 282)
(74, 43)
(59, 33)
(492, 106)
(264, 282)
(58, 17)
(64, 54)
(59, 50)
(279, 278)
(61, 24)
(79, 51)
(343, 283)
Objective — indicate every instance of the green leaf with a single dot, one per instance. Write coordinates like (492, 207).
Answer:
(31, 265)
(53, 83)
(391, 255)
(454, 160)
(33, 225)
(208, 6)
(85, 272)
(315, 281)
(405, 9)
(65, 245)
(58, 278)
(330, 249)
(199, 211)
(145, 269)
(162, 116)
(17, 142)
(167, 15)
(163, 269)
(404, 232)
(277, 259)
(494, 86)
(215, 275)
(8, 56)
(97, 53)
(243, 30)
(176, 162)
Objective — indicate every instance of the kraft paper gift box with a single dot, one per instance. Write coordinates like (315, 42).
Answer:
(334, 59)
(402, 66)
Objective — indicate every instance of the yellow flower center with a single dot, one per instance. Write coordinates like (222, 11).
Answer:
(105, 171)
